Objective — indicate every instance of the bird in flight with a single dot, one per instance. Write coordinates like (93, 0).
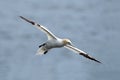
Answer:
(55, 42)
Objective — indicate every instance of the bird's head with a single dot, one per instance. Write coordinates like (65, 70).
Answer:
(67, 41)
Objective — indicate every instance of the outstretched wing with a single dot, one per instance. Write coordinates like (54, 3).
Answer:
(49, 34)
(80, 52)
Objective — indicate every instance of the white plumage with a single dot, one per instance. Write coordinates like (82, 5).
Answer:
(55, 42)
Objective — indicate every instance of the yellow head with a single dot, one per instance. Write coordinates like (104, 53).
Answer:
(67, 41)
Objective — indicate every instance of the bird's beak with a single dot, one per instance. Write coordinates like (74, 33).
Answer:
(70, 44)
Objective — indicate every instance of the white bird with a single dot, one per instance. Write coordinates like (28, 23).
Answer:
(55, 42)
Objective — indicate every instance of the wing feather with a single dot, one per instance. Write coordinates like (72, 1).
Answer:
(49, 34)
(80, 52)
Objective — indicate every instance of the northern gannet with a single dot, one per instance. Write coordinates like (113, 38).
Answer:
(55, 42)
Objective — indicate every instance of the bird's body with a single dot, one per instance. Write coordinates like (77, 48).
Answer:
(55, 42)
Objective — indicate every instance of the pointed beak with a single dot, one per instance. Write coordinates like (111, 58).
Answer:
(70, 44)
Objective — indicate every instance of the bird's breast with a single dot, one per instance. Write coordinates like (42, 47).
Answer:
(54, 44)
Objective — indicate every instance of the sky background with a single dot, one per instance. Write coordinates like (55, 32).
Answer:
(92, 25)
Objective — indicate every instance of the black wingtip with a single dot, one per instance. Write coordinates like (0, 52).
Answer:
(33, 23)
(20, 16)
(98, 61)
(91, 58)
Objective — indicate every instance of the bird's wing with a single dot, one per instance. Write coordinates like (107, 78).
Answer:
(80, 52)
(49, 34)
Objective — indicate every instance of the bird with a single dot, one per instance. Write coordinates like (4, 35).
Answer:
(56, 42)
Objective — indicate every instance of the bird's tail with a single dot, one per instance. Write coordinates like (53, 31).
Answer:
(42, 50)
